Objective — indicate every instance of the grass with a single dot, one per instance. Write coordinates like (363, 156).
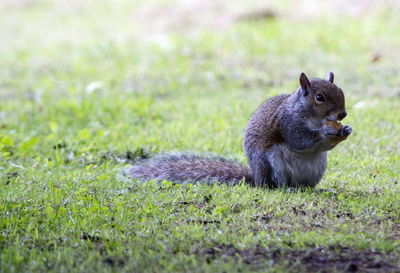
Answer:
(84, 93)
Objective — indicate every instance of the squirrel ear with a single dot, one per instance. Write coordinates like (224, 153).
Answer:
(304, 83)
(330, 77)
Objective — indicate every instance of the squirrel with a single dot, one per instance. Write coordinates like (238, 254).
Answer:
(286, 143)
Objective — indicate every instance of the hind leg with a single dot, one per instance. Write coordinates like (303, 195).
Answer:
(261, 170)
(280, 176)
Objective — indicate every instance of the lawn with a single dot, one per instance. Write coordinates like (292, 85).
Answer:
(88, 88)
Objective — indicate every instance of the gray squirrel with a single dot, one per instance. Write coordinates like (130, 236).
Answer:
(286, 143)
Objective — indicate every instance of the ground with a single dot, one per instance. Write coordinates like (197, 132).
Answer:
(86, 89)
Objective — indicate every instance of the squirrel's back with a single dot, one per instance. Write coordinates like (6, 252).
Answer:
(262, 130)
(191, 168)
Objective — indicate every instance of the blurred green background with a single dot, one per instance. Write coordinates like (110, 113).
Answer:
(87, 87)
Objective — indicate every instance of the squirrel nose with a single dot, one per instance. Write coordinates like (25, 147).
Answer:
(342, 115)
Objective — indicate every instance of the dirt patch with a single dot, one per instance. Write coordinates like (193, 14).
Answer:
(313, 260)
(127, 157)
(93, 238)
(11, 176)
(203, 222)
(130, 157)
(114, 261)
(264, 218)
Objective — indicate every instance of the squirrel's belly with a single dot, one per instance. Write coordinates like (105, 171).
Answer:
(290, 169)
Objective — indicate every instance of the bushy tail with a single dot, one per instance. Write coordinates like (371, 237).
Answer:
(191, 168)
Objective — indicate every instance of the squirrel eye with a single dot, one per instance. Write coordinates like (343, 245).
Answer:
(320, 97)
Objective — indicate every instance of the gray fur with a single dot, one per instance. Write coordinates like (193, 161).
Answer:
(191, 168)
(291, 169)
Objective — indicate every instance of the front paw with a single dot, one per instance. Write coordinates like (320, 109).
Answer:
(328, 131)
(345, 131)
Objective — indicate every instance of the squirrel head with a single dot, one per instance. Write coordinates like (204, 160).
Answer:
(322, 99)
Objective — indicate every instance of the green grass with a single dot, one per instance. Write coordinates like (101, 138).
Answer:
(84, 92)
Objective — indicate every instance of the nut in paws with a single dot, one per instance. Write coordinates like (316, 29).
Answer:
(329, 131)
